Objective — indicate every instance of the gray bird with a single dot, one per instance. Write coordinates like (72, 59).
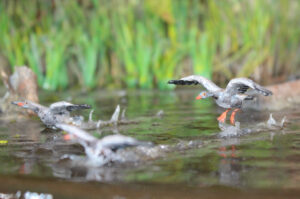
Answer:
(58, 112)
(100, 151)
(230, 97)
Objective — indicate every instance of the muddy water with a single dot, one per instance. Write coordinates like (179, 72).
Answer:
(192, 162)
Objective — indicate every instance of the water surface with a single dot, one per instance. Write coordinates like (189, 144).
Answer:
(199, 164)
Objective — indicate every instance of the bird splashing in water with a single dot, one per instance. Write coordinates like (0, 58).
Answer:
(100, 151)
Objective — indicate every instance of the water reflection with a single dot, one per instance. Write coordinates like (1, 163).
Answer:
(26, 195)
(229, 169)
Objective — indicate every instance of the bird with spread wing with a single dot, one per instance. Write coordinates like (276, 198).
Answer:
(231, 97)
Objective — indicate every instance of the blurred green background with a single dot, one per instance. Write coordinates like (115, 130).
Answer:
(144, 43)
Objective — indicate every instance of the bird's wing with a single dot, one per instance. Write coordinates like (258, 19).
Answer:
(82, 136)
(241, 85)
(120, 141)
(64, 107)
(197, 79)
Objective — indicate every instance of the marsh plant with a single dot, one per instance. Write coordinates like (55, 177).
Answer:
(144, 43)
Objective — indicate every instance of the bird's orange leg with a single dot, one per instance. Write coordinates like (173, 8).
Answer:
(232, 120)
(222, 117)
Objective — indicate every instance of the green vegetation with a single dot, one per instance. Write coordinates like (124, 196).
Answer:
(144, 43)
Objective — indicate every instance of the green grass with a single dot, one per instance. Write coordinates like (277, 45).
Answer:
(143, 44)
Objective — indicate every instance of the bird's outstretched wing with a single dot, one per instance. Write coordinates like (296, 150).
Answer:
(197, 79)
(81, 136)
(115, 142)
(112, 142)
(241, 85)
(65, 107)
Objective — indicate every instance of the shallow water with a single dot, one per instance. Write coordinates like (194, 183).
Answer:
(193, 161)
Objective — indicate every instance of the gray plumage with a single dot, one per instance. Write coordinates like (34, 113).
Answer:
(64, 108)
(241, 85)
(102, 150)
(58, 112)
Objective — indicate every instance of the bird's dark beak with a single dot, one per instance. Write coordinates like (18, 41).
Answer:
(198, 97)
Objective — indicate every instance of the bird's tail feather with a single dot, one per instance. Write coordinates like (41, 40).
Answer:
(263, 90)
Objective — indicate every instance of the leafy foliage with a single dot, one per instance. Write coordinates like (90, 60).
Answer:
(142, 44)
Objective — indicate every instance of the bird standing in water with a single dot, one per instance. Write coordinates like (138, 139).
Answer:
(231, 97)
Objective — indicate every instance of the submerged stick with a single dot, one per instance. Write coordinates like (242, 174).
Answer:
(115, 120)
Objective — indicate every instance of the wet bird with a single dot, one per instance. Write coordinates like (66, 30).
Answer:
(231, 97)
(100, 151)
(58, 112)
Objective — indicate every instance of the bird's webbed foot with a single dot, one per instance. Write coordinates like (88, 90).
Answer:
(223, 116)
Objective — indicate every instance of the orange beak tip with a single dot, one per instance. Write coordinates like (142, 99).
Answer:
(20, 104)
(198, 97)
(67, 137)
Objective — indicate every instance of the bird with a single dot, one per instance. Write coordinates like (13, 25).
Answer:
(100, 151)
(231, 97)
(58, 112)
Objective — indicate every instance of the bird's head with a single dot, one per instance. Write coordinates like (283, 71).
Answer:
(26, 104)
(23, 104)
(203, 95)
